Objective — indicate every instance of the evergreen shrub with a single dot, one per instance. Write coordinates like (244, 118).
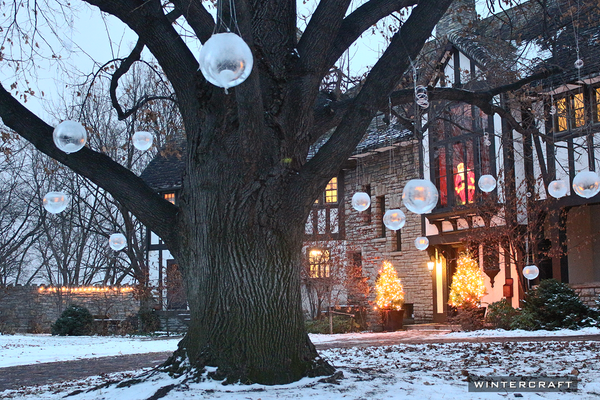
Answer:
(74, 321)
(501, 314)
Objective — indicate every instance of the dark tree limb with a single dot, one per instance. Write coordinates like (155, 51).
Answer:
(197, 17)
(385, 75)
(359, 21)
(317, 38)
(127, 188)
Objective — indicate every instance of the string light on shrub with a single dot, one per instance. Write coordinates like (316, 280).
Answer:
(531, 272)
(487, 183)
(394, 219)
(388, 288)
(468, 286)
(586, 184)
(557, 188)
(69, 136)
(142, 140)
(421, 243)
(117, 241)
(420, 196)
(55, 202)
(361, 201)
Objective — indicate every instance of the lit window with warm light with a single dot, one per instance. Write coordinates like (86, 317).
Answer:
(318, 263)
(170, 197)
(331, 191)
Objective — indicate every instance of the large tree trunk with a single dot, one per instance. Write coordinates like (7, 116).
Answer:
(241, 265)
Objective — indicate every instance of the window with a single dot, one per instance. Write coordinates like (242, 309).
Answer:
(381, 212)
(318, 263)
(325, 220)
(170, 197)
(576, 108)
(458, 154)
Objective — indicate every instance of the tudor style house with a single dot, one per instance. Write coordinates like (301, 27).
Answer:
(550, 131)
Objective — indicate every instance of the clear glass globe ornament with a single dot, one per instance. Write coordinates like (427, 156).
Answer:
(421, 96)
(420, 196)
(578, 63)
(361, 201)
(421, 243)
(55, 202)
(142, 140)
(117, 241)
(586, 184)
(225, 60)
(394, 219)
(69, 136)
(487, 183)
(557, 188)
(531, 272)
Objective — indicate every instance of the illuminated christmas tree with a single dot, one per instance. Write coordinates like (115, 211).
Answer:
(390, 293)
(467, 287)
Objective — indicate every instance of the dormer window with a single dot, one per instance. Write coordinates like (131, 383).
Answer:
(170, 197)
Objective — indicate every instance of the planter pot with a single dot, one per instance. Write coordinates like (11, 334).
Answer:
(392, 320)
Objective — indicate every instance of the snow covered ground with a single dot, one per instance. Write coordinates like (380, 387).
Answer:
(406, 371)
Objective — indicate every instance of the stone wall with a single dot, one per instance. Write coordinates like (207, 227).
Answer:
(588, 292)
(386, 174)
(34, 309)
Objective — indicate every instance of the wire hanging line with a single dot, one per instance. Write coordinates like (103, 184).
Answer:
(221, 26)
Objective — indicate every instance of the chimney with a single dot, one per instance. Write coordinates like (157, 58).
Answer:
(459, 15)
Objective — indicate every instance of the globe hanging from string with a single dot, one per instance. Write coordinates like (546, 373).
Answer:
(557, 188)
(531, 272)
(394, 219)
(578, 63)
(225, 60)
(142, 140)
(420, 196)
(55, 202)
(586, 184)
(421, 243)
(487, 183)
(361, 201)
(69, 136)
(117, 241)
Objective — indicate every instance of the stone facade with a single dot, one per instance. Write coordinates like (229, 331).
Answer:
(29, 309)
(589, 293)
(386, 173)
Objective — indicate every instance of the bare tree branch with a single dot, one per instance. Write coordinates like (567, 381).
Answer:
(155, 212)
(197, 17)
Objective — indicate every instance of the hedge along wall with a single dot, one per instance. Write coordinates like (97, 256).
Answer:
(35, 308)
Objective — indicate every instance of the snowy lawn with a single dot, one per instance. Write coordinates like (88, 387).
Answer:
(32, 349)
(423, 371)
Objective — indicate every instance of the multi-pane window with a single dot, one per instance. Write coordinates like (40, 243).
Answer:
(170, 197)
(458, 153)
(324, 219)
(319, 263)
(577, 108)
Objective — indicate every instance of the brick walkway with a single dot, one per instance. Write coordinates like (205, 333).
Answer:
(46, 373)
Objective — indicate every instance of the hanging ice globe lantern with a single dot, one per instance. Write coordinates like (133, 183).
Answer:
(421, 243)
(586, 184)
(487, 183)
(557, 188)
(225, 60)
(531, 272)
(117, 241)
(142, 140)
(361, 201)
(578, 63)
(55, 202)
(69, 136)
(394, 219)
(420, 196)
